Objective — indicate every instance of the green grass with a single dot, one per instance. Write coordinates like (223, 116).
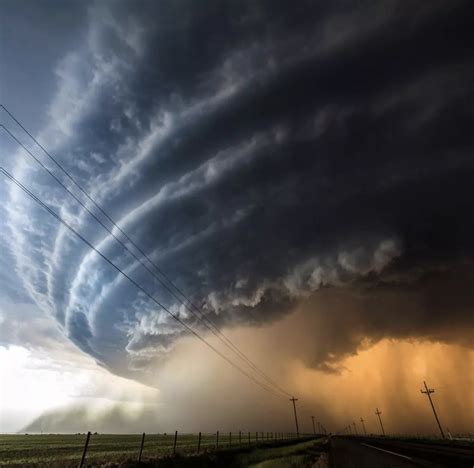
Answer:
(66, 450)
(287, 456)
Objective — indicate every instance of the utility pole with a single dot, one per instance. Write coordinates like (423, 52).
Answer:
(85, 450)
(314, 429)
(378, 413)
(428, 392)
(355, 428)
(320, 431)
(363, 426)
(294, 400)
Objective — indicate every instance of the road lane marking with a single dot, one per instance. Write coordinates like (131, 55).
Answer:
(386, 451)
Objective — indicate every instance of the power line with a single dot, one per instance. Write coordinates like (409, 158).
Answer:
(214, 329)
(137, 285)
(186, 302)
(81, 203)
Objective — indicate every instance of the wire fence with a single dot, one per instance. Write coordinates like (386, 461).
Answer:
(79, 450)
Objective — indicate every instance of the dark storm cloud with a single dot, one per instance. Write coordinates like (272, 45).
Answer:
(260, 151)
(436, 306)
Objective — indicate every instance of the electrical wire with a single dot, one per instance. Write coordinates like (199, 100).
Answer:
(132, 281)
(184, 300)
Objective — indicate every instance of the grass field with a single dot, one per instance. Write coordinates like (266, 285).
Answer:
(66, 450)
(296, 455)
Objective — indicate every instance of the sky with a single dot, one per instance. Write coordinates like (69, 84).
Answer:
(302, 171)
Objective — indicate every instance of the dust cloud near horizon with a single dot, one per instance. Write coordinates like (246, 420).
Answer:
(197, 391)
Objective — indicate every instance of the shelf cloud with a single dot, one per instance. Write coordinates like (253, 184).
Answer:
(270, 158)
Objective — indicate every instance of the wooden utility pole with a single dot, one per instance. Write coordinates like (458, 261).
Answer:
(363, 426)
(314, 429)
(294, 400)
(428, 392)
(141, 448)
(175, 442)
(85, 449)
(378, 413)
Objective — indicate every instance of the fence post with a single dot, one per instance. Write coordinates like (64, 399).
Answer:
(199, 442)
(217, 440)
(85, 449)
(175, 442)
(141, 448)
(240, 438)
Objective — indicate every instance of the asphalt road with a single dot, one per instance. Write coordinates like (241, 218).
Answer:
(371, 452)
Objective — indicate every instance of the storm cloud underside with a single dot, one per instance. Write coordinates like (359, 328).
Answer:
(268, 158)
